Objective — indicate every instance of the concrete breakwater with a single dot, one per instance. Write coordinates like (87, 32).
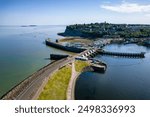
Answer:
(130, 55)
(57, 56)
(70, 49)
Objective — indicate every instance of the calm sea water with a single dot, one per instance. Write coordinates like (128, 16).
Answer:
(125, 78)
(22, 52)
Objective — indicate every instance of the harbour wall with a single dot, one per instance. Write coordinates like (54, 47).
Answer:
(57, 56)
(129, 55)
(70, 49)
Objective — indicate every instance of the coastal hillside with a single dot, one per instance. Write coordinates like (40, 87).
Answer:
(107, 30)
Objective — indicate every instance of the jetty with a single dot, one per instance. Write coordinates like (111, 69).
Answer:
(98, 68)
(66, 48)
(122, 54)
(57, 56)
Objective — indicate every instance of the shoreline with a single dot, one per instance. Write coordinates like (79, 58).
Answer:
(39, 76)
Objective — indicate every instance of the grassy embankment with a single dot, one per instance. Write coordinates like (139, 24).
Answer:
(57, 85)
(79, 65)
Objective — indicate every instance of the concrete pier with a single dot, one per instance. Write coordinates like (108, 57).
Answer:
(98, 68)
(57, 56)
(58, 46)
(130, 55)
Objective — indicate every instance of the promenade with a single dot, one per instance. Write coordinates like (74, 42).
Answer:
(71, 87)
(30, 88)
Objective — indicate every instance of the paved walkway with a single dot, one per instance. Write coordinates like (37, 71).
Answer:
(72, 83)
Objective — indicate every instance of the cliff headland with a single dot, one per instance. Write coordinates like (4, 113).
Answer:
(107, 30)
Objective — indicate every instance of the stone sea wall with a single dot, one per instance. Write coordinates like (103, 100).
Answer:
(15, 91)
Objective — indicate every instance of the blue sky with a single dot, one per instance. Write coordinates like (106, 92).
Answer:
(64, 12)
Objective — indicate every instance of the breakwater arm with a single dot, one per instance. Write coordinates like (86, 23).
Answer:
(130, 55)
(57, 56)
(58, 46)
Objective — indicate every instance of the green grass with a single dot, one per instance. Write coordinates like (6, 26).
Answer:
(57, 85)
(79, 65)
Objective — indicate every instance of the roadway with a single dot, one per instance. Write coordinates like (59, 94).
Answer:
(29, 92)
(33, 88)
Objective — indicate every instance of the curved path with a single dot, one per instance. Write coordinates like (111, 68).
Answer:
(71, 86)
(30, 89)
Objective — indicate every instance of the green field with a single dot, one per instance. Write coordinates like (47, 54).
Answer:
(79, 65)
(57, 85)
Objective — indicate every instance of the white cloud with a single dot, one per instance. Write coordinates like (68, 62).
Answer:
(125, 7)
